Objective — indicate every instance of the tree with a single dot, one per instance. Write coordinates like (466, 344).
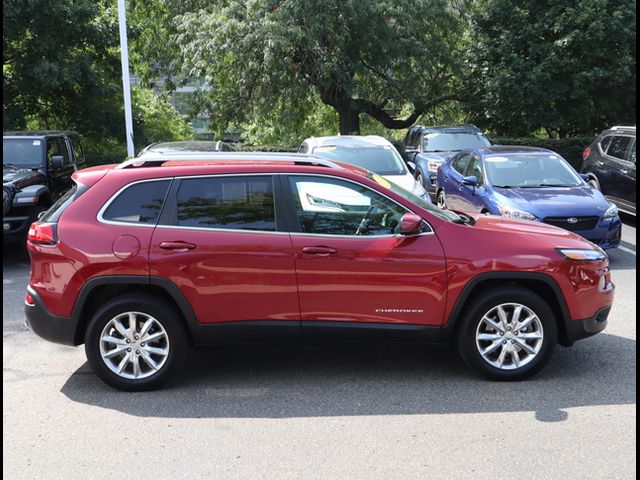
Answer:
(566, 66)
(59, 66)
(374, 57)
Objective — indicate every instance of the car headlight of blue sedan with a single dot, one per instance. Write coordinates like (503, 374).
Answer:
(612, 212)
(515, 213)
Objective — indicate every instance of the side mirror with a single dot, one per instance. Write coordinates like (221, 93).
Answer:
(57, 162)
(471, 181)
(410, 224)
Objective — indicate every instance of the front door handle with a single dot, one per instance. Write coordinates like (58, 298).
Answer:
(320, 251)
(624, 172)
(178, 246)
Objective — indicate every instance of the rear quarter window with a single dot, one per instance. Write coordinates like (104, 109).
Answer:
(138, 203)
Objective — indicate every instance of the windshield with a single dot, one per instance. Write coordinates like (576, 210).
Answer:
(383, 160)
(421, 202)
(21, 152)
(530, 171)
(447, 142)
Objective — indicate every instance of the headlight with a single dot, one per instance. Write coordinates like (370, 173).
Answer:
(582, 255)
(433, 166)
(612, 212)
(519, 214)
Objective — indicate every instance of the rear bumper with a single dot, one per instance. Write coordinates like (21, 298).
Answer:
(48, 326)
(579, 329)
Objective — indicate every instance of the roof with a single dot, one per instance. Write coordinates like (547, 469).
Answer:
(512, 149)
(169, 159)
(38, 133)
(466, 127)
(349, 140)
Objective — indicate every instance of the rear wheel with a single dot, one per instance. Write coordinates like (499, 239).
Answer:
(508, 334)
(136, 343)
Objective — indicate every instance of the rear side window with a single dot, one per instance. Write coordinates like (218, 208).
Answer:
(138, 203)
(618, 147)
(232, 203)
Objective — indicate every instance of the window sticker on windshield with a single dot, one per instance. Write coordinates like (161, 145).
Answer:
(381, 181)
(36, 142)
(329, 148)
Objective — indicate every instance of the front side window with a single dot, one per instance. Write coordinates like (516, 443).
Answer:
(230, 203)
(336, 207)
(460, 163)
(474, 169)
(138, 203)
(618, 147)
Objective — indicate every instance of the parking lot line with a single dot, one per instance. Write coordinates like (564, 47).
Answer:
(628, 250)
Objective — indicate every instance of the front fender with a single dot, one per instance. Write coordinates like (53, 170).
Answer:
(31, 195)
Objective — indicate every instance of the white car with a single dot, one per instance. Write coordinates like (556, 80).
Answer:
(371, 152)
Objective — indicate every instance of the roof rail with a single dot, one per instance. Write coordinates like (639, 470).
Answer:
(159, 159)
(620, 127)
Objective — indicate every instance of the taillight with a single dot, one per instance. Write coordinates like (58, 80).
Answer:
(28, 299)
(43, 233)
(586, 153)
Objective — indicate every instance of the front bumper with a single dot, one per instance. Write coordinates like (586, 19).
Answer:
(579, 329)
(48, 326)
(606, 235)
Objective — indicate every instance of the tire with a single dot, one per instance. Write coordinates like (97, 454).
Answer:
(167, 346)
(420, 179)
(475, 333)
(593, 182)
(441, 201)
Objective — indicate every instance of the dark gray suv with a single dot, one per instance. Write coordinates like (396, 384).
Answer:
(610, 163)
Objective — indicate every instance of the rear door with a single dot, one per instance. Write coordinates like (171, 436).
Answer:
(353, 269)
(219, 242)
(622, 171)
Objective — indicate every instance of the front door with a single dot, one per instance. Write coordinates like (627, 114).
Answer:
(221, 246)
(352, 265)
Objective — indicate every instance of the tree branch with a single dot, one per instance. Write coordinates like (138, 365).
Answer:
(377, 111)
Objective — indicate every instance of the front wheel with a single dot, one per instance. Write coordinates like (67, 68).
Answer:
(136, 343)
(593, 183)
(507, 334)
(441, 202)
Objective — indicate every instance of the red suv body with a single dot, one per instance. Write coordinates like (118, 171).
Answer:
(143, 259)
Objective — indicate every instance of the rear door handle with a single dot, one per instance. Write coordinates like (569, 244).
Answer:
(320, 251)
(178, 246)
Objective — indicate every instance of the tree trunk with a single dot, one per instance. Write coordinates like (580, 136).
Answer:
(349, 121)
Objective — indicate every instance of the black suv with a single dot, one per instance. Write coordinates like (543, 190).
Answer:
(426, 148)
(610, 163)
(36, 170)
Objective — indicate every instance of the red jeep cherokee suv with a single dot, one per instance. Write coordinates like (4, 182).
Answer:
(143, 259)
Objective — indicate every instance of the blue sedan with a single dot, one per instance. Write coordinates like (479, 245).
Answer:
(530, 184)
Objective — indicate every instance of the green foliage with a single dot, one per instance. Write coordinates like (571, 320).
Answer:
(565, 66)
(362, 56)
(155, 119)
(569, 148)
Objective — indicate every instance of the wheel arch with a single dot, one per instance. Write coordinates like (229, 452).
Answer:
(98, 290)
(539, 283)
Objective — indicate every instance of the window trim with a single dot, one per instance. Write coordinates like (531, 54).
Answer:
(174, 203)
(294, 222)
(100, 215)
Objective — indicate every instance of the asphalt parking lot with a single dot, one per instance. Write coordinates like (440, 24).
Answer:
(352, 412)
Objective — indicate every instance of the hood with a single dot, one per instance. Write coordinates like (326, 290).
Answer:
(559, 236)
(21, 178)
(437, 156)
(581, 201)
(407, 182)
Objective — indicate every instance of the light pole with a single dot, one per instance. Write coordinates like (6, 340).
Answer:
(126, 86)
